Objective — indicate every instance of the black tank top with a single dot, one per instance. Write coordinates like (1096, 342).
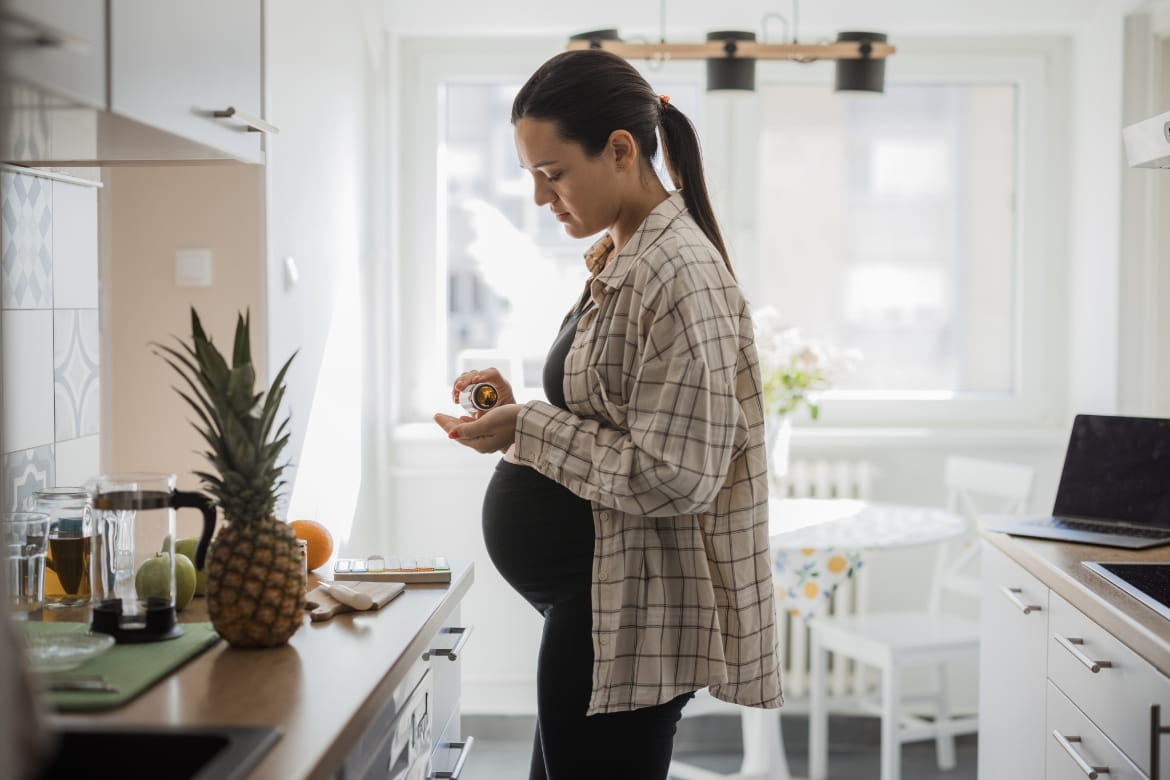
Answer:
(538, 534)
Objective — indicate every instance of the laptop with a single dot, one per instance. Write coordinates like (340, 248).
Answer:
(1114, 487)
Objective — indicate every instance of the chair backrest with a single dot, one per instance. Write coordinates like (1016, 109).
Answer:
(975, 487)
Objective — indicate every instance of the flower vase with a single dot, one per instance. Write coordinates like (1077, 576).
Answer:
(778, 432)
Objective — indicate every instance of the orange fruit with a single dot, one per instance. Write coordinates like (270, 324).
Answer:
(320, 541)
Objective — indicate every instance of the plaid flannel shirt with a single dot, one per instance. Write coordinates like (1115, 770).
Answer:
(665, 436)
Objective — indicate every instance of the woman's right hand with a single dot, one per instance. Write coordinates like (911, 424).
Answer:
(490, 375)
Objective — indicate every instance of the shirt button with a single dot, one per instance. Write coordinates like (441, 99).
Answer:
(604, 516)
(603, 640)
(603, 576)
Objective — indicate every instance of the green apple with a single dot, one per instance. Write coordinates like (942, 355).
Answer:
(188, 547)
(154, 578)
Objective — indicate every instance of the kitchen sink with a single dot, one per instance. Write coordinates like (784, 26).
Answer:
(148, 752)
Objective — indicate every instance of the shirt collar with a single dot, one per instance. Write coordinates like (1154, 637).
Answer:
(609, 268)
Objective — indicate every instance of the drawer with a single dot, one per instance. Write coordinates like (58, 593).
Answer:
(403, 750)
(451, 751)
(1077, 748)
(1120, 696)
(445, 658)
(363, 758)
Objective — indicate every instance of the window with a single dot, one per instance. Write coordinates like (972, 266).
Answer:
(889, 227)
(910, 226)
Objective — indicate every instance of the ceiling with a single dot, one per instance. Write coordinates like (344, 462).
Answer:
(818, 19)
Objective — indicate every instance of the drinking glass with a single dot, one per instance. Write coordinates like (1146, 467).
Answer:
(73, 552)
(26, 538)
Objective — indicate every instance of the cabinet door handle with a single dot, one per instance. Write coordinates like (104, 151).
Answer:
(1010, 594)
(1072, 644)
(1091, 772)
(464, 750)
(1156, 732)
(452, 653)
(254, 124)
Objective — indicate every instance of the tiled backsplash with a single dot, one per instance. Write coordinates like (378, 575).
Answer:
(51, 356)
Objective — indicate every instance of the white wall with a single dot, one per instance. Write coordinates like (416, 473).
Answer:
(324, 78)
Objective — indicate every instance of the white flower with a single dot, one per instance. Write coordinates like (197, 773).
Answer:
(795, 369)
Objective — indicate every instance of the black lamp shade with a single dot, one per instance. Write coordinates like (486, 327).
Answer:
(867, 74)
(595, 37)
(730, 71)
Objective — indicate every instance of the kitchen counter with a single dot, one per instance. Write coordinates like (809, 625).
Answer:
(1058, 565)
(321, 690)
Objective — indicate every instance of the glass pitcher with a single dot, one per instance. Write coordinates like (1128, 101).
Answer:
(135, 515)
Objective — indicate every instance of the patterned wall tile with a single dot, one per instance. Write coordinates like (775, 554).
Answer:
(76, 385)
(26, 241)
(27, 121)
(25, 472)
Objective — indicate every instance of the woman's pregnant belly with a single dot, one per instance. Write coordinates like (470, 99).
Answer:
(538, 534)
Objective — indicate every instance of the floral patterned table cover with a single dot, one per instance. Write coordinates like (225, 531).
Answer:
(819, 543)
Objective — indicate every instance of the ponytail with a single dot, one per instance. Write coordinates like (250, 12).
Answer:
(684, 161)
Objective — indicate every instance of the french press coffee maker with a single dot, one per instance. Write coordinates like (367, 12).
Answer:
(135, 515)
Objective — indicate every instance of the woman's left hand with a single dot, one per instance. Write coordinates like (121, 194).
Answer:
(493, 431)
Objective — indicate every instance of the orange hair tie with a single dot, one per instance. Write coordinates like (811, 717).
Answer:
(664, 98)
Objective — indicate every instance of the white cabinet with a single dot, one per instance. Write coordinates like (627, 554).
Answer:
(58, 46)
(94, 82)
(1115, 688)
(1059, 695)
(451, 748)
(1012, 664)
(417, 735)
(175, 65)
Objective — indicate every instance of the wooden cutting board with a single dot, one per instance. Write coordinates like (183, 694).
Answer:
(322, 606)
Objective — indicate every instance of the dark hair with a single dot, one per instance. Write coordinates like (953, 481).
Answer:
(589, 93)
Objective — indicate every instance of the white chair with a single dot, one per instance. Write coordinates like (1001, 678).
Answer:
(891, 642)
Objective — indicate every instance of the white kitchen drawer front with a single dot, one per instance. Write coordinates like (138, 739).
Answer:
(1012, 664)
(450, 753)
(1077, 748)
(445, 657)
(1110, 683)
(371, 754)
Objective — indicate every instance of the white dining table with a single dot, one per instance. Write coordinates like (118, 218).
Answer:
(818, 543)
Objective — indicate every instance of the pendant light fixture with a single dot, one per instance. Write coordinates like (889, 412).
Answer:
(731, 55)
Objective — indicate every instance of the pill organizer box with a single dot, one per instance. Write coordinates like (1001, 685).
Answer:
(392, 569)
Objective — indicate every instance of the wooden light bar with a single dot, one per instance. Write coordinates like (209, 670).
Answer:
(797, 52)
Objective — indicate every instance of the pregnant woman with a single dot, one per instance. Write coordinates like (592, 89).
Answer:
(630, 508)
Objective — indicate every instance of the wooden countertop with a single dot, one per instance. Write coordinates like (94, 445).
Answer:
(321, 690)
(1058, 565)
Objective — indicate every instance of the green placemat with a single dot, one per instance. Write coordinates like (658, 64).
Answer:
(130, 668)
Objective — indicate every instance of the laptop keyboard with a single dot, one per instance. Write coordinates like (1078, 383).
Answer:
(1110, 528)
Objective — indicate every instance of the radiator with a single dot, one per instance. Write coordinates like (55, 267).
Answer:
(824, 479)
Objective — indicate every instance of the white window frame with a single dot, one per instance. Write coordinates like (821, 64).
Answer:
(1037, 66)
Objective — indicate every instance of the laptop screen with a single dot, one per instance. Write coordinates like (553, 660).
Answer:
(1117, 468)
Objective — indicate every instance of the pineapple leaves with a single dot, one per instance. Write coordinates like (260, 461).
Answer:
(234, 421)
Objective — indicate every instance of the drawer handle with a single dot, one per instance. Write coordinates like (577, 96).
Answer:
(1156, 732)
(464, 749)
(254, 124)
(1090, 771)
(452, 653)
(1010, 593)
(1072, 644)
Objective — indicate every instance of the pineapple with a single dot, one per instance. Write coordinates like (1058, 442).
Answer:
(255, 578)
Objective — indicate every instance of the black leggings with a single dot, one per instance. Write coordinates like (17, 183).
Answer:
(610, 746)
(540, 538)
